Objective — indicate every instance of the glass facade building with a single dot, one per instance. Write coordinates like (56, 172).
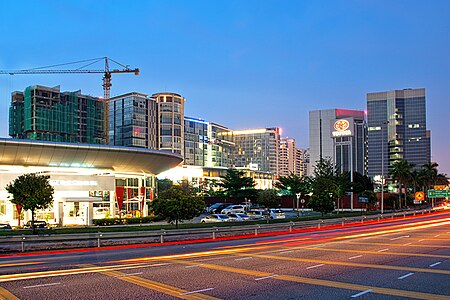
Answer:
(397, 129)
(170, 118)
(132, 121)
(45, 113)
(346, 151)
(195, 142)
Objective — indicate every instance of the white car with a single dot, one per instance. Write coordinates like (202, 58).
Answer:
(215, 218)
(234, 209)
(275, 213)
(238, 217)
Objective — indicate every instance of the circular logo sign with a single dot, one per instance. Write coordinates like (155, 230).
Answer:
(341, 125)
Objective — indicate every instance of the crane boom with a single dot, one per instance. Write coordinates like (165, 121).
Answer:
(106, 77)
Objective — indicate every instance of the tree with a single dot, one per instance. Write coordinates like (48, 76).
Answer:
(31, 191)
(401, 173)
(236, 185)
(294, 184)
(178, 203)
(268, 198)
(163, 184)
(325, 187)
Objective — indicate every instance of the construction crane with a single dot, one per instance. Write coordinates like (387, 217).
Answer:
(107, 72)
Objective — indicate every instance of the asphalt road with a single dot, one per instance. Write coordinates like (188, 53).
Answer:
(406, 258)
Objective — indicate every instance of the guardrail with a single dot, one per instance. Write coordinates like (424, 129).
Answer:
(59, 241)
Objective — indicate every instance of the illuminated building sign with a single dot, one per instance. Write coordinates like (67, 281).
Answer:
(342, 127)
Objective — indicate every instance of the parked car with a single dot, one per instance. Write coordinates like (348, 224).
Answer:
(238, 217)
(275, 213)
(5, 226)
(219, 208)
(215, 218)
(213, 207)
(257, 214)
(233, 209)
(37, 224)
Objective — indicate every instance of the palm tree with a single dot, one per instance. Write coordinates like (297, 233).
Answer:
(430, 174)
(401, 173)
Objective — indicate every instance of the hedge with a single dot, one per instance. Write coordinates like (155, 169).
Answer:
(117, 221)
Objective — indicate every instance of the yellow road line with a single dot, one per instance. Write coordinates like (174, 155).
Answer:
(320, 282)
(157, 286)
(7, 295)
(371, 252)
(349, 264)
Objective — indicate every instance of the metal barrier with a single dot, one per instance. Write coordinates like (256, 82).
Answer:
(99, 239)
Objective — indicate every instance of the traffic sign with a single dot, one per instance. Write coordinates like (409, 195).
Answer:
(438, 193)
(363, 200)
(419, 196)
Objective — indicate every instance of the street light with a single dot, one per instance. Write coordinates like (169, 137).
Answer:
(382, 165)
(298, 198)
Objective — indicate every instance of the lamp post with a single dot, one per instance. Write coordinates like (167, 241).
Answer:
(382, 165)
(298, 198)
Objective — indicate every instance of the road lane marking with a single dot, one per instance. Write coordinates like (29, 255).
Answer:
(244, 258)
(435, 264)
(353, 257)
(352, 264)
(437, 235)
(407, 244)
(395, 245)
(320, 282)
(198, 291)
(266, 277)
(360, 294)
(158, 286)
(406, 275)
(193, 266)
(7, 295)
(421, 240)
(285, 252)
(41, 285)
(382, 250)
(19, 264)
(316, 266)
(400, 237)
(130, 274)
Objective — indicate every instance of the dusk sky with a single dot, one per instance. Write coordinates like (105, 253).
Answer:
(242, 64)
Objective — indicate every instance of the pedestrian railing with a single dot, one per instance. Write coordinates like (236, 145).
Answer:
(58, 241)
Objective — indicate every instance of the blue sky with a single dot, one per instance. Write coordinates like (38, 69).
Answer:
(242, 64)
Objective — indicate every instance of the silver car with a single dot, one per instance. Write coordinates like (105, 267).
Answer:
(215, 218)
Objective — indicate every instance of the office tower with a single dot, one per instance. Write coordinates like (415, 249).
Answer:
(132, 121)
(397, 129)
(339, 135)
(45, 113)
(257, 149)
(170, 119)
(207, 144)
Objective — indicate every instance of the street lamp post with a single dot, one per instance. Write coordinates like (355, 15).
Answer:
(298, 198)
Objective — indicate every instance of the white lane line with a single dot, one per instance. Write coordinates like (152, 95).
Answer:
(406, 275)
(382, 250)
(360, 294)
(437, 235)
(41, 285)
(353, 257)
(407, 244)
(198, 291)
(400, 237)
(421, 240)
(194, 266)
(266, 277)
(284, 252)
(131, 274)
(316, 266)
(243, 258)
(435, 264)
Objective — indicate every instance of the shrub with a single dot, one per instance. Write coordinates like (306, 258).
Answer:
(117, 221)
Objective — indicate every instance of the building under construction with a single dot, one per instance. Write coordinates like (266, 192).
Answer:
(44, 113)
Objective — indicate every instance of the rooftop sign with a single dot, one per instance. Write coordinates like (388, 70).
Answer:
(342, 127)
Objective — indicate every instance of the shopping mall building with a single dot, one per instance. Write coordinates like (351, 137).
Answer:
(90, 181)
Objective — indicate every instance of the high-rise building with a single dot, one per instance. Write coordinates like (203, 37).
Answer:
(306, 162)
(290, 158)
(397, 129)
(170, 119)
(339, 135)
(257, 149)
(207, 144)
(132, 121)
(45, 113)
